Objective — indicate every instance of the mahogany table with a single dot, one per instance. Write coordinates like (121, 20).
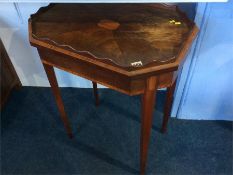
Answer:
(131, 48)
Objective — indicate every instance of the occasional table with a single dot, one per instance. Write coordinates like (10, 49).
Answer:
(131, 48)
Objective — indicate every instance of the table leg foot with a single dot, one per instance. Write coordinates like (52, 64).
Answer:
(168, 106)
(95, 90)
(148, 102)
(55, 89)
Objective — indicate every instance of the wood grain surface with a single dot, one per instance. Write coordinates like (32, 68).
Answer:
(128, 35)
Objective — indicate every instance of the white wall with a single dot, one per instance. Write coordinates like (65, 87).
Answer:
(208, 90)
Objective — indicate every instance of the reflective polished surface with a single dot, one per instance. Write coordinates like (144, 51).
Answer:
(128, 35)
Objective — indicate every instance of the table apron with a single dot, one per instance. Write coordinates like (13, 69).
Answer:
(106, 77)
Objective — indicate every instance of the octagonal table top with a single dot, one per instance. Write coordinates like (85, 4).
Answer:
(129, 36)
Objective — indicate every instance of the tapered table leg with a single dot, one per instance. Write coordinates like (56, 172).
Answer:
(55, 89)
(95, 93)
(168, 106)
(148, 102)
